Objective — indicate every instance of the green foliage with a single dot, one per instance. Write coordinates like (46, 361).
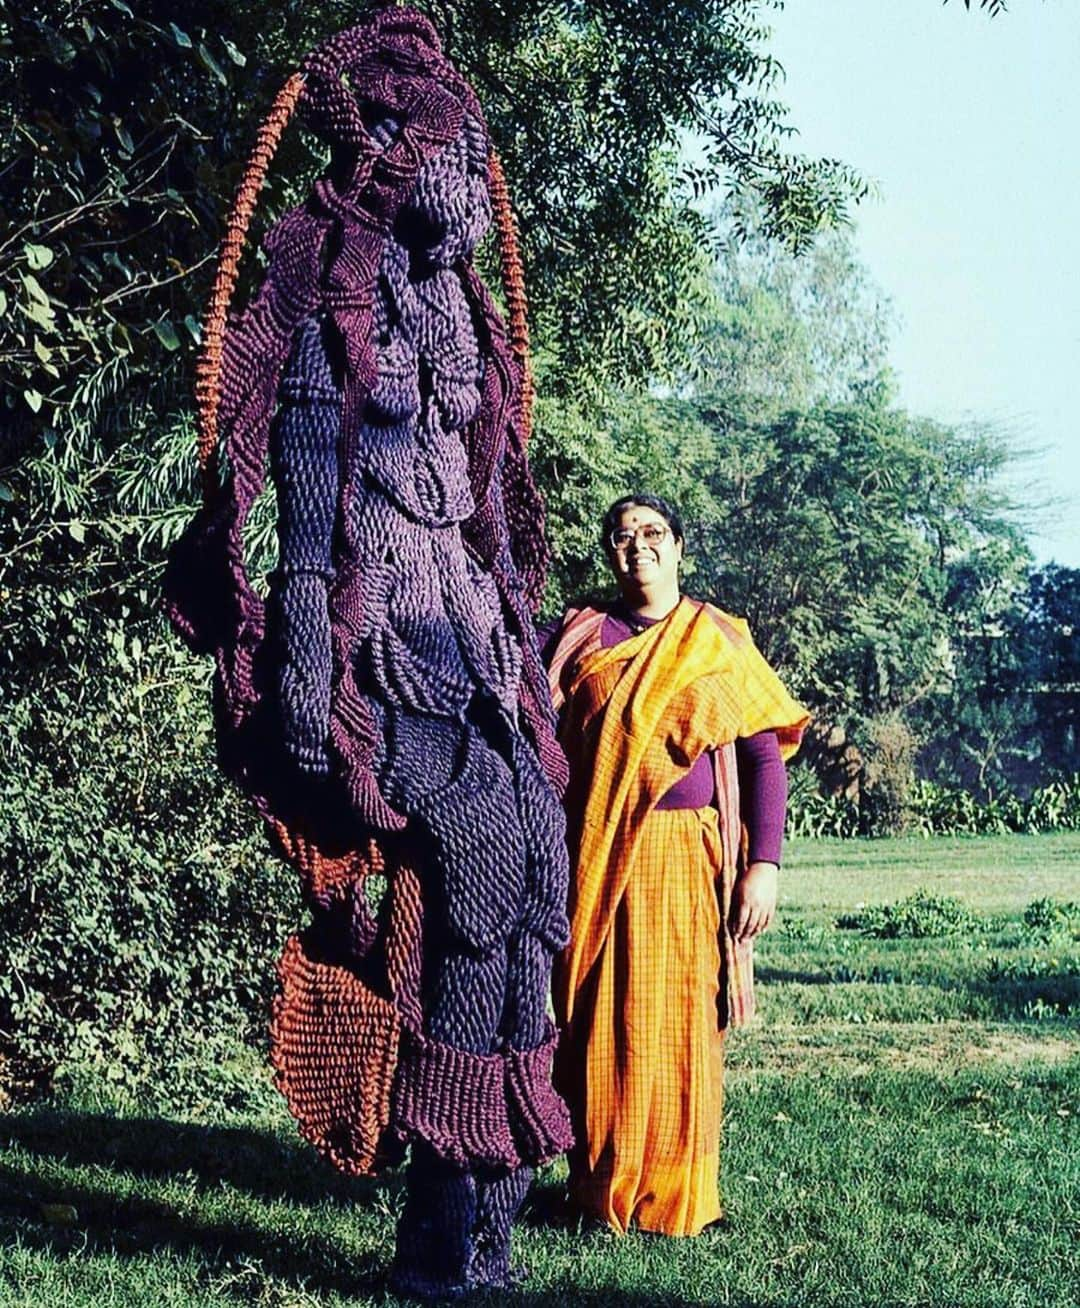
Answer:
(116, 129)
(140, 909)
(1050, 646)
(137, 910)
(1047, 916)
(948, 810)
(589, 105)
(918, 916)
(917, 1131)
(930, 1178)
(791, 331)
(944, 810)
(813, 815)
(930, 809)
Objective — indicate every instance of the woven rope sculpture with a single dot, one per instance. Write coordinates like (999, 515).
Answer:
(385, 706)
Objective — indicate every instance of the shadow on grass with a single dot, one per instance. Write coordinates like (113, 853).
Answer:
(1013, 997)
(258, 1162)
(1002, 998)
(130, 1150)
(111, 1221)
(136, 1228)
(572, 1293)
(777, 975)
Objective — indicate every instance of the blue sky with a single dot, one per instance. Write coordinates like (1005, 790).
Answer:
(969, 127)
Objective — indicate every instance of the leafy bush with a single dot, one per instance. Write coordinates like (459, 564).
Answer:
(942, 810)
(1047, 916)
(1032, 969)
(918, 916)
(140, 909)
(812, 815)
(1055, 807)
(936, 810)
(889, 773)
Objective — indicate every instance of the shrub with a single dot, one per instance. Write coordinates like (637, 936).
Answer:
(141, 909)
(1048, 915)
(816, 816)
(889, 774)
(1055, 807)
(914, 918)
(934, 810)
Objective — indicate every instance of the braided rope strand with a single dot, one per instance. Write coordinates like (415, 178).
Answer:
(208, 368)
(513, 278)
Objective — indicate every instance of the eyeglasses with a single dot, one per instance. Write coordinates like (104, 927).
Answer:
(652, 534)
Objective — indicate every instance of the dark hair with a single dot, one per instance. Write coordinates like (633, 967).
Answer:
(667, 511)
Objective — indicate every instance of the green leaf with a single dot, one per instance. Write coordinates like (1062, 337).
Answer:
(42, 314)
(235, 55)
(34, 288)
(77, 531)
(194, 327)
(123, 136)
(119, 4)
(3, 304)
(38, 256)
(6, 493)
(180, 37)
(212, 65)
(166, 334)
(42, 351)
(34, 399)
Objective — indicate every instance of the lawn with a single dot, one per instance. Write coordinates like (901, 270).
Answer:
(902, 1128)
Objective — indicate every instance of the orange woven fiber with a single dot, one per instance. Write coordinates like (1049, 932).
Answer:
(208, 368)
(334, 1047)
(324, 872)
(404, 944)
(513, 277)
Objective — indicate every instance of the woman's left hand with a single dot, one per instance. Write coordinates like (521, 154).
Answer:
(753, 901)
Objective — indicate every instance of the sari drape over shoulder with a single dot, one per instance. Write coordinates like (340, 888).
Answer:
(652, 977)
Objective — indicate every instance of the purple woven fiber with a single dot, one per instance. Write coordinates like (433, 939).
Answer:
(209, 597)
(435, 1245)
(497, 1202)
(539, 1120)
(305, 460)
(455, 1101)
(392, 679)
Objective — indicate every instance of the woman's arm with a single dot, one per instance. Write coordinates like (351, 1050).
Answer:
(763, 804)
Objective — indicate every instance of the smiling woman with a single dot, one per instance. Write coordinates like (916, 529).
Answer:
(676, 731)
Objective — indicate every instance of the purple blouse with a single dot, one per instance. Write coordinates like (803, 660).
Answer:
(762, 775)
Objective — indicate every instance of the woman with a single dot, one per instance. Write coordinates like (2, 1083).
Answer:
(667, 713)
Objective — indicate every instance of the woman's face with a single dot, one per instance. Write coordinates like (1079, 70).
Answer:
(640, 563)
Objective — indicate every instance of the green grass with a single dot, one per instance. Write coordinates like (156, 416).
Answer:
(902, 1128)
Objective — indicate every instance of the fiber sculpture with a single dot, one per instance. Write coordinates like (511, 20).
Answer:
(385, 704)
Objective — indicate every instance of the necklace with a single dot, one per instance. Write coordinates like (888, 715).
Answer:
(634, 621)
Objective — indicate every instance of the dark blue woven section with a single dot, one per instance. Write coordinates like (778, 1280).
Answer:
(438, 657)
(434, 1249)
(304, 449)
(497, 1203)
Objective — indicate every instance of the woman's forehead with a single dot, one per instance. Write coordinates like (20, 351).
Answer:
(638, 515)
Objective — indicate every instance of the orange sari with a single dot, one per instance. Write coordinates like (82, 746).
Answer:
(650, 977)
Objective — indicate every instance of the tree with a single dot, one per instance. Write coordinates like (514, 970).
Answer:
(123, 128)
(979, 730)
(791, 330)
(1053, 627)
